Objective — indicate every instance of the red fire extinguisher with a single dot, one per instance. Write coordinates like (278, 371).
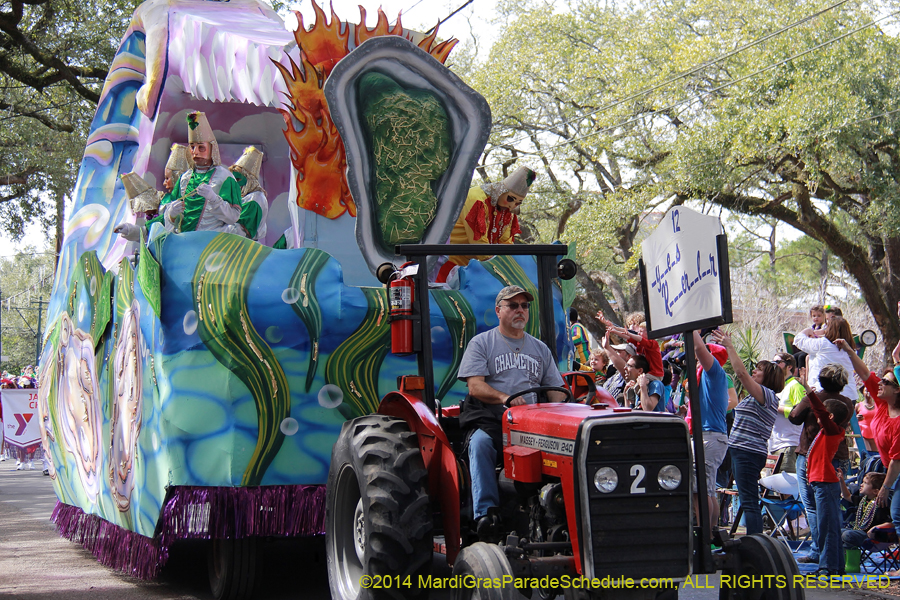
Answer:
(402, 296)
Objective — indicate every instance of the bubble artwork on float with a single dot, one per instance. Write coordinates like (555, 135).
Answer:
(205, 368)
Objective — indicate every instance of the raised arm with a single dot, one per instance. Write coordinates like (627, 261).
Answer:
(614, 357)
(740, 371)
(703, 355)
(858, 365)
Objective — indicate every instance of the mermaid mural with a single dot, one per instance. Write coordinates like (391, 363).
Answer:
(193, 384)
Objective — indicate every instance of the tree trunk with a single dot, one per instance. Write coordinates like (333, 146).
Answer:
(60, 220)
(592, 302)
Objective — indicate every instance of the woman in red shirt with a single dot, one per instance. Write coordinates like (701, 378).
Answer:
(885, 424)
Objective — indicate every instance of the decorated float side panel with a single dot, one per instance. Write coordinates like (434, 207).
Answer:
(207, 359)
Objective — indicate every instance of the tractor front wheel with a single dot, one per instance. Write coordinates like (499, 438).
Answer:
(485, 564)
(378, 527)
(760, 556)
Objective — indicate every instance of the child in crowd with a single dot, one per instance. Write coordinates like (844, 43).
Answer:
(817, 316)
(867, 512)
(599, 362)
(820, 472)
(637, 335)
(832, 311)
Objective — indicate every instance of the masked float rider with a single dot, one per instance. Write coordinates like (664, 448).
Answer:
(144, 199)
(208, 197)
(489, 216)
(254, 204)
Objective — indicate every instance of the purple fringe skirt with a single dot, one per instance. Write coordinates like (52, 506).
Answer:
(197, 513)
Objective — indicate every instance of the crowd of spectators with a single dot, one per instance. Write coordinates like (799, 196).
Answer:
(796, 408)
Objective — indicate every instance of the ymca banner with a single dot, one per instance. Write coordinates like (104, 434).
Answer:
(21, 421)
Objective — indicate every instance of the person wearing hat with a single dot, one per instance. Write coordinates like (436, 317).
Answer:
(143, 200)
(489, 216)
(146, 200)
(254, 204)
(208, 197)
(179, 163)
(785, 435)
(714, 401)
(618, 356)
(496, 364)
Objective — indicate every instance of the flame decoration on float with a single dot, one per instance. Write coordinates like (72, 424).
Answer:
(317, 152)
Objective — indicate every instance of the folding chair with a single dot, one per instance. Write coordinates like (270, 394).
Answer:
(780, 513)
(781, 505)
(879, 557)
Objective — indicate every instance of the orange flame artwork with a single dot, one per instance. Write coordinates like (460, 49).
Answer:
(317, 151)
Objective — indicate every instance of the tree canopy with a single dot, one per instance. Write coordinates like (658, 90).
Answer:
(25, 280)
(785, 110)
(54, 58)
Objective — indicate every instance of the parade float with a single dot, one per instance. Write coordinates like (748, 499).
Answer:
(192, 385)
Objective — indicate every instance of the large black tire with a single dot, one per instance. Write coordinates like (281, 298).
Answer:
(483, 561)
(377, 517)
(761, 555)
(233, 568)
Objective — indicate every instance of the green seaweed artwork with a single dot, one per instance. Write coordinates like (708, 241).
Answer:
(307, 307)
(94, 280)
(124, 289)
(220, 286)
(509, 272)
(410, 139)
(149, 278)
(354, 365)
(48, 373)
(461, 325)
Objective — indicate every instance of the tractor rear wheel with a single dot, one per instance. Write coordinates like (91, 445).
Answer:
(233, 566)
(486, 563)
(761, 555)
(378, 526)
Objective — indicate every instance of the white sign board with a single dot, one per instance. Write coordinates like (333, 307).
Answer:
(21, 420)
(682, 274)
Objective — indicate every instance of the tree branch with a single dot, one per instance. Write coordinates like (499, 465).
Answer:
(48, 122)
(20, 178)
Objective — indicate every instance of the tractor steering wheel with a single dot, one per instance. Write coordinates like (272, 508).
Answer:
(541, 393)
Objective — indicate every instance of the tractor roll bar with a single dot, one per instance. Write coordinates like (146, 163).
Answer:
(545, 254)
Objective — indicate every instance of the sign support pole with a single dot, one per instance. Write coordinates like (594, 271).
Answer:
(703, 532)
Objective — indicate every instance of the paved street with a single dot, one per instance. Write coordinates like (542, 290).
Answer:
(36, 564)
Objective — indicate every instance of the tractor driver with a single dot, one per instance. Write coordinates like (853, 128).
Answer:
(498, 363)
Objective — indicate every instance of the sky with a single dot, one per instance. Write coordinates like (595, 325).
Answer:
(417, 14)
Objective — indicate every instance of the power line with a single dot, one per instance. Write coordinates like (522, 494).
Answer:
(411, 7)
(701, 66)
(447, 18)
(716, 89)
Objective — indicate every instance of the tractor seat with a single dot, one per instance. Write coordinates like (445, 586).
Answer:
(450, 424)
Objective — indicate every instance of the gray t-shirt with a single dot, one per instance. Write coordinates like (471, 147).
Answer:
(509, 365)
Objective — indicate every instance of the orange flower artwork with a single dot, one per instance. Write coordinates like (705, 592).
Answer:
(317, 151)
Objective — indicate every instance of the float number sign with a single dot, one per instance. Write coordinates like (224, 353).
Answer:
(684, 273)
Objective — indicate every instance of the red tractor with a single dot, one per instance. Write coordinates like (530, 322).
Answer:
(594, 498)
